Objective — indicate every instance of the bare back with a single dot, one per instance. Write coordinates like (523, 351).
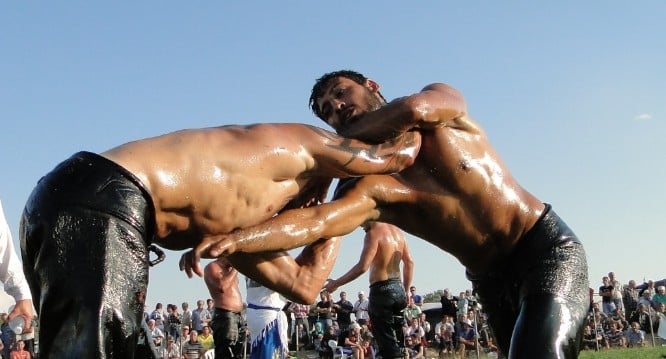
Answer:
(211, 181)
(391, 247)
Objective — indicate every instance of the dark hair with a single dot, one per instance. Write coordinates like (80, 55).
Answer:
(323, 82)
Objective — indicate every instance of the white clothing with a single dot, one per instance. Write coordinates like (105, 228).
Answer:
(11, 269)
(267, 322)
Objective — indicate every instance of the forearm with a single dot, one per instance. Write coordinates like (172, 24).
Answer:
(298, 227)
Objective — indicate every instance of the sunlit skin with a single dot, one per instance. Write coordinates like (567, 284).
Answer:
(206, 182)
(458, 195)
(384, 248)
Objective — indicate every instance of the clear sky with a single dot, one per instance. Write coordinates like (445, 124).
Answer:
(572, 94)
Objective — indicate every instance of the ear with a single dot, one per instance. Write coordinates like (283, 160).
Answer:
(372, 85)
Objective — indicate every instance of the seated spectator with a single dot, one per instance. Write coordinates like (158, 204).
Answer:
(615, 336)
(300, 336)
(351, 341)
(368, 349)
(444, 332)
(635, 336)
(325, 351)
(466, 338)
(413, 347)
(192, 349)
(206, 338)
(591, 340)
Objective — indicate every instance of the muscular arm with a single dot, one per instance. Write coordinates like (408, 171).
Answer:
(336, 156)
(290, 229)
(368, 253)
(407, 267)
(435, 106)
(300, 279)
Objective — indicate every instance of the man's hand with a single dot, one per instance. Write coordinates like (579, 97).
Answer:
(23, 308)
(331, 285)
(210, 247)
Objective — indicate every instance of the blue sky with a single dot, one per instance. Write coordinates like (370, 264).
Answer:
(570, 93)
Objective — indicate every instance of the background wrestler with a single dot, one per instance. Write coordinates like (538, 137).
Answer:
(91, 219)
(459, 196)
(384, 247)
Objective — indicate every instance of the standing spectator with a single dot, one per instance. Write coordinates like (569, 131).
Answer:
(197, 316)
(325, 309)
(13, 278)
(630, 300)
(192, 349)
(635, 336)
(158, 316)
(449, 303)
(208, 315)
(617, 291)
(463, 303)
(645, 299)
(361, 309)
(343, 308)
(606, 293)
(659, 296)
(301, 312)
(174, 320)
(186, 319)
(418, 299)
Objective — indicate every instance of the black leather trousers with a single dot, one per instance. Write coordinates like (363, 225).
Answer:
(85, 233)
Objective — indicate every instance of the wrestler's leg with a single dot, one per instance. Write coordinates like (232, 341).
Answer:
(554, 305)
(555, 336)
(89, 290)
(498, 306)
(383, 307)
(225, 326)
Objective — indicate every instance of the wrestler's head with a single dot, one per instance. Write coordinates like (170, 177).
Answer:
(341, 97)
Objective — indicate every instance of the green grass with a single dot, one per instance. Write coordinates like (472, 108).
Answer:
(643, 353)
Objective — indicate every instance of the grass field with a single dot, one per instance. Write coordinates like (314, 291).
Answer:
(644, 353)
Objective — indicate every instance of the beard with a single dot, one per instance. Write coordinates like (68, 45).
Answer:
(369, 103)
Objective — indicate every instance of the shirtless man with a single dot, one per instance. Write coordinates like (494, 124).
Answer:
(227, 324)
(522, 259)
(87, 226)
(384, 246)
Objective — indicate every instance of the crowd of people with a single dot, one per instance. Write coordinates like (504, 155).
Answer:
(627, 315)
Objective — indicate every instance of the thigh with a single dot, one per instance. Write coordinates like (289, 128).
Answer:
(547, 327)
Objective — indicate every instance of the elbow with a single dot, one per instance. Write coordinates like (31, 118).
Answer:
(303, 295)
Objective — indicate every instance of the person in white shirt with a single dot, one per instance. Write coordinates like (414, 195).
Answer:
(11, 274)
